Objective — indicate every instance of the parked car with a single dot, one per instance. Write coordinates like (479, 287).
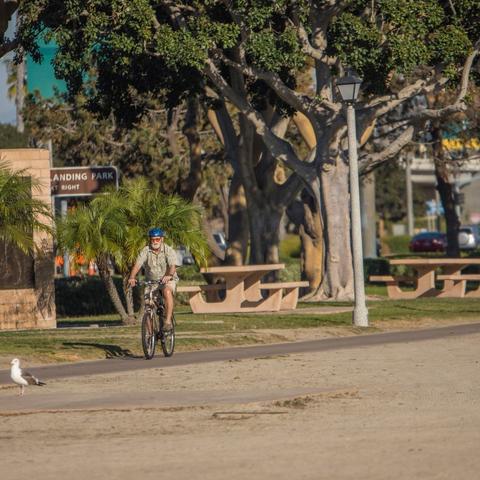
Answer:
(469, 237)
(428, 242)
(184, 257)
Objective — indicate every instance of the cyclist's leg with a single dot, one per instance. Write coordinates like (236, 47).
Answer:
(148, 306)
(168, 298)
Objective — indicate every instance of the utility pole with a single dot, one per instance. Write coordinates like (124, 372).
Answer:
(408, 175)
(369, 215)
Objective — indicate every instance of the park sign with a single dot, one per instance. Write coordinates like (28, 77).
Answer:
(82, 181)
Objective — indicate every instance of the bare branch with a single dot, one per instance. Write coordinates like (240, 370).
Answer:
(459, 104)
(278, 147)
(287, 192)
(370, 161)
(175, 13)
(310, 50)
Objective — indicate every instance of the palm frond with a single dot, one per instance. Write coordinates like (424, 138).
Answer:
(20, 214)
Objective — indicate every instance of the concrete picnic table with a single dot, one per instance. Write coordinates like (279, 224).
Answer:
(243, 290)
(454, 282)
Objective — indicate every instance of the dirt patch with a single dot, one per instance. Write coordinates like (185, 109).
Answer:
(399, 411)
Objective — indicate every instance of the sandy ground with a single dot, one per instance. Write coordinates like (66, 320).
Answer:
(396, 411)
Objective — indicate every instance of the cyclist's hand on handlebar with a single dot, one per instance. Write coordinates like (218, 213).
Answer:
(132, 282)
(165, 279)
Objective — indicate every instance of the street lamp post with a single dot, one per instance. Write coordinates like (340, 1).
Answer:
(349, 87)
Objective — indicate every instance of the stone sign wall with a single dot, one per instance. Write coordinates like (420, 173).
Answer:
(30, 303)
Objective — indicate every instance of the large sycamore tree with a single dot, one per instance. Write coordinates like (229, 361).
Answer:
(251, 58)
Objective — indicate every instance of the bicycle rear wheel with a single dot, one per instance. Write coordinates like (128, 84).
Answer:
(167, 339)
(150, 328)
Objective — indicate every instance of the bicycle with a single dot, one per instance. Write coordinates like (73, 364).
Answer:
(152, 323)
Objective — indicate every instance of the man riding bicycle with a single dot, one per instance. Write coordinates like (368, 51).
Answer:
(159, 261)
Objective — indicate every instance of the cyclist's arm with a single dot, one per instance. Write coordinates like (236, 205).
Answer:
(171, 258)
(136, 268)
(131, 279)
(170, 273)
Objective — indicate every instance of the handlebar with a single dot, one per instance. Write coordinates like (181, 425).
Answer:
(151, 282)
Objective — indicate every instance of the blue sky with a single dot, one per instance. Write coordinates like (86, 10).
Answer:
(40, 77)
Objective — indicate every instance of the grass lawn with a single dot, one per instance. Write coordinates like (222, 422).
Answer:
(87, 338)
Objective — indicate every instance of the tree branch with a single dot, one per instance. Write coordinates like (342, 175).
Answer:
(370, 161)
(278, 147)
(459, 104)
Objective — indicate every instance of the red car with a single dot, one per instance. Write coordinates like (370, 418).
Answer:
(428, 242)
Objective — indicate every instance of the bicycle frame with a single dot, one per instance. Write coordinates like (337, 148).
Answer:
(154, 296)
(155, 308)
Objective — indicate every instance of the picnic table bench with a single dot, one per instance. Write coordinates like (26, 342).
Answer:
(454, 281)
(240, 289)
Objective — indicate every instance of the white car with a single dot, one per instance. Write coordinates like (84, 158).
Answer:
(184, 257)
(469, 237)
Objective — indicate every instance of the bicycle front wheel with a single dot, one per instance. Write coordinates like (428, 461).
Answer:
(150, 328)
(168, 339)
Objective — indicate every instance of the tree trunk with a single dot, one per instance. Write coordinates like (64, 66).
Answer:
(128, 293)
(190, 185)
(238, 229)
(447, 192)
(311, 238)
(337, 282)
(20, 94)
(264, 240)
(105, 275)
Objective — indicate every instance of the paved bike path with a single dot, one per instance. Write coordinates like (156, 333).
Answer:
(123, 364)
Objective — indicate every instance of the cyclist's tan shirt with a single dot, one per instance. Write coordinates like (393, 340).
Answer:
(156, 264)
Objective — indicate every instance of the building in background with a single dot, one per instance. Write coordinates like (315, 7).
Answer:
(41, 76)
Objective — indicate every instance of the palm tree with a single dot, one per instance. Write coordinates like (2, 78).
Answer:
(20, 214)
(111, 229)
(145, 207)
(17, 88)
(95, 232)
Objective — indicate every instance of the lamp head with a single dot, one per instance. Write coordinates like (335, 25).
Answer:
(349, 87)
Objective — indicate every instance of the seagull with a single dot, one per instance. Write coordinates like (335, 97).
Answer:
(22, 378)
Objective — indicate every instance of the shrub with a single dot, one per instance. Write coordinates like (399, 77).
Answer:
(77, 296)
(375, 266)
(397, 244)
(289, 247)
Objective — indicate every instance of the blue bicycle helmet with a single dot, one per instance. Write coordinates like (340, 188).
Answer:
(156, 232)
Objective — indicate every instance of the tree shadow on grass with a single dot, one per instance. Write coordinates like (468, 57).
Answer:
(89, 323)
(111, 351)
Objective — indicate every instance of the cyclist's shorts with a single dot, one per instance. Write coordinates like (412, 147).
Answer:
(172, 285)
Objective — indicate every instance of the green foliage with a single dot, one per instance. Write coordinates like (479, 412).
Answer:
(390, 190)
(400, 36)
(138, 48)
(115, 224)
(273, 51)
(20, 214)
(76, 296)
(450, 44)
(375, 266)
(290, 247)
(357, 43)
(82, 137)
(10, 138)
(398, 244)
(166, 56)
